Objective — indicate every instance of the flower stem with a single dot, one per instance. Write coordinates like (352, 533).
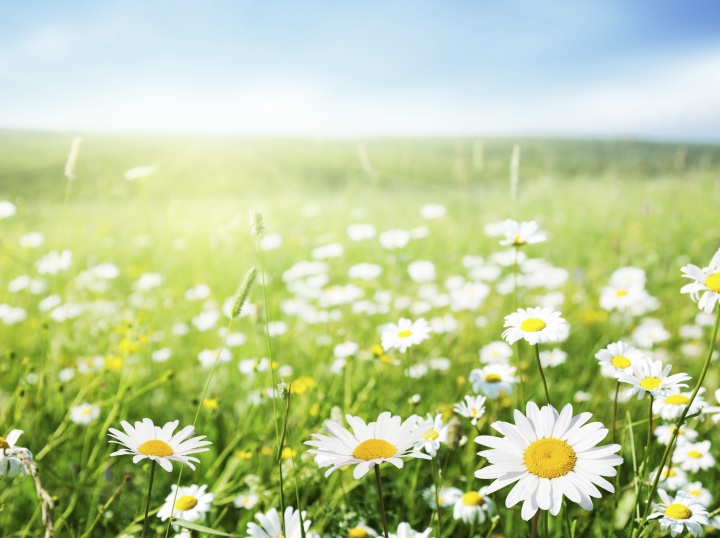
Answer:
(382, 502)
(147, 504)
(436, 476)
(617, 392)
(542, 374)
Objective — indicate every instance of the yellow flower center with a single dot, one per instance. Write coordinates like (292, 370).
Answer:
(695, 492)
(713, 282)
(156, 447)
(472, 498)
(86, 411)
(186, 502)
(650, 383)
(549, 458)
(694, 454)
(678, 511)
(517, 240)
(431, 435)
(677, 399)
(4, 444)
(493, 378)
(620, 362)
(621, 293)
(533, 325)
(374, 449)
(404, 334)
(669, 473)
(358, 533)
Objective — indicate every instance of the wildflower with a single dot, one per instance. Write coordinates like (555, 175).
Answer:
(665, 432)
(649, 376)
(191, 503)
(679, 514)
(84, 413)
(406, 531)
(256, 223)
(246, 500)
(549, 455)
(496, 352)
(361, 531)
(145, 440)
(54, 262)
(473, 408)
(550, 358)
(714, 410)
(521, 233)
(617, 358)
(672, 478)
(394, 239)
(707, 283)
(446, 496)
(359, 232)
(435, 434)
(670, 407)
(270, 526)
(345, 349)
(474, 506)
(332, 250)
(694, 457)
(696, 491)
(493, 380)
(405, 334)
(10, 464)
(421, 271)
(370, 444)
(432, 211)
(7, 209)
(535, 325)
(364, 271)
(649, 333)
(31, 240)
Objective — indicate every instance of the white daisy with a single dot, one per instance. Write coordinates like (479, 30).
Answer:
(679, 514)
(435, 433)
(670, 407)
(474, 506)
(496, 352)
(271, 527)
(649, 376)
(446, 496)
(549, 455)
(84, 413)
(665, 432)
(707, 283)
(473, 408)
(493, 380)
(694, 457)
(697, 492)
(406, 531)
(521, 233)
(673, 478)
(361, 531)
(714, 410)
(10, 464)
(389, 439)
(191, 503)
(549, 358)
(405, 334)
(534, 325)
(617, 357)
(246, 500)
(145, 440)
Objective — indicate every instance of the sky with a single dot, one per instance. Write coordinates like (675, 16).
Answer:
(347, 68)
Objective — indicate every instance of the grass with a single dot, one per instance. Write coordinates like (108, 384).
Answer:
(604, 205)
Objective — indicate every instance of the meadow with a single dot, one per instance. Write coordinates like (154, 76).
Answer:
(133, 319)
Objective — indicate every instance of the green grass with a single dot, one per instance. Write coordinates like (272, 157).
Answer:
(604, 205)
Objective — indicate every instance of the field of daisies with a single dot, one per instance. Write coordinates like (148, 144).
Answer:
(332, 339)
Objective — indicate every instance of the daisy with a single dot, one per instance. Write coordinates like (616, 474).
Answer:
(521, 233)
(405, 334)
(145, 440)
(191, 503)
(707, 283)
(649, 376)
(617, 358)
(84, 413)
(694, 457)
(271, 527)
(370, 444)
(361, 531)
(406, 531)
(496, 352)
(550, 358)
(534, 325)
(10, 464)
(246, 500)
(665, 432)
(446, 496)
(474, 506)
(697, 492)
(435, 434)
(671, 407)
(673, 478)
(549, 455)
(473, 408)
(493, 380)
(714, 410)
(679, 514)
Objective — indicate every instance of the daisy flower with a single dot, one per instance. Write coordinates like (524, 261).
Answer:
(535, 325)
(665, 432)
(671, 407)
(474, 506)
(435, 434)
(406, 531)
(246, 500)
(694, 457)
(271, 527)
(473, 408)
(84, 413)
(617, 357)
(707, 283)
(493, 380)
(389, 439)
(10, 464)
(549, 455)
(145, 440)
(714, 410)
(649, 376)
(191, 503)
(673, 478)
(361, 531)
(697, 492)
(521, 233)
(405, 334)
(496, 352)
(446, 496)
(679, 514)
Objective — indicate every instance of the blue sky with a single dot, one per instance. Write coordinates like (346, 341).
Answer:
(647, 68)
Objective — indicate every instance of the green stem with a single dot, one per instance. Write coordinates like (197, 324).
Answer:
(147, 504)
(382, 502)
(542, 374)
(436, 476)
